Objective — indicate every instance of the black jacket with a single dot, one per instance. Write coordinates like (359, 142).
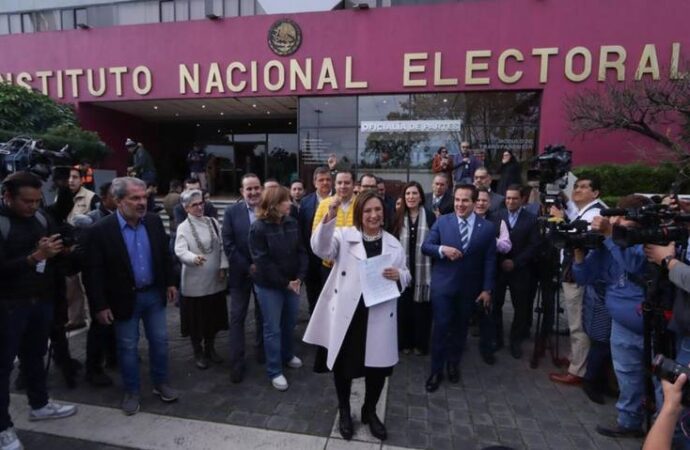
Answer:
(524, 237)
(19, 279)
(278, 252)
(110, 277)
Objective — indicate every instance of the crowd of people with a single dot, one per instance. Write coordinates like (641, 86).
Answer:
(453, 254)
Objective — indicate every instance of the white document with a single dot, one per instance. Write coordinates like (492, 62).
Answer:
(375, 288)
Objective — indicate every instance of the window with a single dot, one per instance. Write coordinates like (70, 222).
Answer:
(27, 23)
(80, 16)
(232, 8)
(247, 7)
(167, 11)
(4, 24)
(67, 19)
(181, 10)
(197, 9)
(214, 7)
(15, 23)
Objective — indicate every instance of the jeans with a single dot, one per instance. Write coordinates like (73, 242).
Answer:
(451, 321)
(629, 365)
(24, 329)
(279, 308)
(149, 307)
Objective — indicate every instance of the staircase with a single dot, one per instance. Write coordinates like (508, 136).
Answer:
(219, 203)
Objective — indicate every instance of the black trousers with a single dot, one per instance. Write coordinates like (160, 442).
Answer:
(598, 363)
(373, 382)
(518, 281)
(414, 323)
(314, 283)
(100, 346)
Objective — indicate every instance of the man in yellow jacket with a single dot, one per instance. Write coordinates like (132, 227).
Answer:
(344, 196)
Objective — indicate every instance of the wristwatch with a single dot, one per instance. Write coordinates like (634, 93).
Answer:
(666, 260)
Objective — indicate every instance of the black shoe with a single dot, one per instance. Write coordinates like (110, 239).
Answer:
(377, 428)
(620, 432)
(98, 379)
(515, 350)
(593, 393)
(200, 360)
(434, 381)
(345, 424)
(237, 374)
(212, 356)
(453, 373)
(489, 358)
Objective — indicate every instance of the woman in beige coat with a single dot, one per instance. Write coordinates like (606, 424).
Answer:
(354, 340)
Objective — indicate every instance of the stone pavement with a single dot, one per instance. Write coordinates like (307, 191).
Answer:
(507, 404)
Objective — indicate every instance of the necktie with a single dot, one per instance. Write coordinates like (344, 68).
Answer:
(513, 219)
(463, 234)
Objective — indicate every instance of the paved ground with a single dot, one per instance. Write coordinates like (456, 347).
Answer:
(507, 404)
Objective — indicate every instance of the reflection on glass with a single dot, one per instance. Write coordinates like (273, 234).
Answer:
(68, 19)
(4, 24)
(328, 112)
(282, 157)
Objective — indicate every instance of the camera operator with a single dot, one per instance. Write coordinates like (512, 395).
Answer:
(585, 205)
(622, 270)
(29, 246)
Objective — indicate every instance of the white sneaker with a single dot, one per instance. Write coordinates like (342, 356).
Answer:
(52, 410)
(280, 383)
(294, 363)
(10, 441)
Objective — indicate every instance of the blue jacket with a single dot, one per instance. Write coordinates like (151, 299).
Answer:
(614, 265)
(236, 243)
(475, 271)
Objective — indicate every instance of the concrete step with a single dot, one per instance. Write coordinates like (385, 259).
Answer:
(220, 205)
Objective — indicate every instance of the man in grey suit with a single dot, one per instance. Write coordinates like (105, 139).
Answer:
(482, 179)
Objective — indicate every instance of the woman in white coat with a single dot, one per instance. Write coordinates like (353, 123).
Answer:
(354, 340)
(203, 309)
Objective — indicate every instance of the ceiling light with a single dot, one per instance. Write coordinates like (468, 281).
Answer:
(177, 114)
(445, 100)
(268, 112)
(222, 113)
(289, 123)
(203, 106)
(155, 106)
(249, 124)
(198, 124)
(385, 101)
(253, 105)
(219, 130)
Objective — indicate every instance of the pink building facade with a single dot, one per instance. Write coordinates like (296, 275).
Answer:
(141, 80)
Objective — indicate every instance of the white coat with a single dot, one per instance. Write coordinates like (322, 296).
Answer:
(340, 295)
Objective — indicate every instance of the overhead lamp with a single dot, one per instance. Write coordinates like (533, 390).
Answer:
(361, 6)
(212, 16)
(83, 26)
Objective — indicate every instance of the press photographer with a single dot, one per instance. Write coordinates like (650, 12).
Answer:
(584, 206)
(622, 271)
(29, 248)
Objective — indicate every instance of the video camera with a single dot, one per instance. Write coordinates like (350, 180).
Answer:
(669, 370)
(23, 153)
(659, 225)
(550, 170)
(574, 235)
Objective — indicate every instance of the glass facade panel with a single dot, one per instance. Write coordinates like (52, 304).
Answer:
(214, 7)
(247, 7)
(138, 13)
(4, 24)
(197, 9)
(282, 157)
(316, 144)
(232, 8)
(181, 10)
(80, 16)
(167, 8)
(67, 19)
(15, 23)
(328, 112)
(27, 23)
(102, 16)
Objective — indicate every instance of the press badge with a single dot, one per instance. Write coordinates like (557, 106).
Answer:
(41, 266)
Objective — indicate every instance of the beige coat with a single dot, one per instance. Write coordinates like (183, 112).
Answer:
(340, 295)
(82, 201)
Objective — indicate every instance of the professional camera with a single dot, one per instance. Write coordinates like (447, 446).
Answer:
(659, 225)
(550, 170)
(574, 235)
(23, 153)
(669, 370)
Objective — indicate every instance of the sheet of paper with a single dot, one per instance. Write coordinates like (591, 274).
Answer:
(375, 288)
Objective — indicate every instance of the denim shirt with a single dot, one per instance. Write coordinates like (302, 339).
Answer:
(614, 265)
(139, 251)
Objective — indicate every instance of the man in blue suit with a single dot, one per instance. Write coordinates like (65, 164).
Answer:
(463, 247)
(236, 221)
(323, 184)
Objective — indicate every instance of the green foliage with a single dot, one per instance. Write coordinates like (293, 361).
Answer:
(27, 113)
(619, 180)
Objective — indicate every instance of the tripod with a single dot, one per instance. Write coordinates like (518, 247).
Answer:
(548, 308)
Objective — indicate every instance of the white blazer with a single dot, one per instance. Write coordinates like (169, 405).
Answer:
(340, 295)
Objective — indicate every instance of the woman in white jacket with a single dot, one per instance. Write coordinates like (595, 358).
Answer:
(203, 308)
(355, 340)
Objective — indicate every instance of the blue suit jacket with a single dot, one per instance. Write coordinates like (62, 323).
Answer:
(469, 275)
(236, 243)
(307, 211)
